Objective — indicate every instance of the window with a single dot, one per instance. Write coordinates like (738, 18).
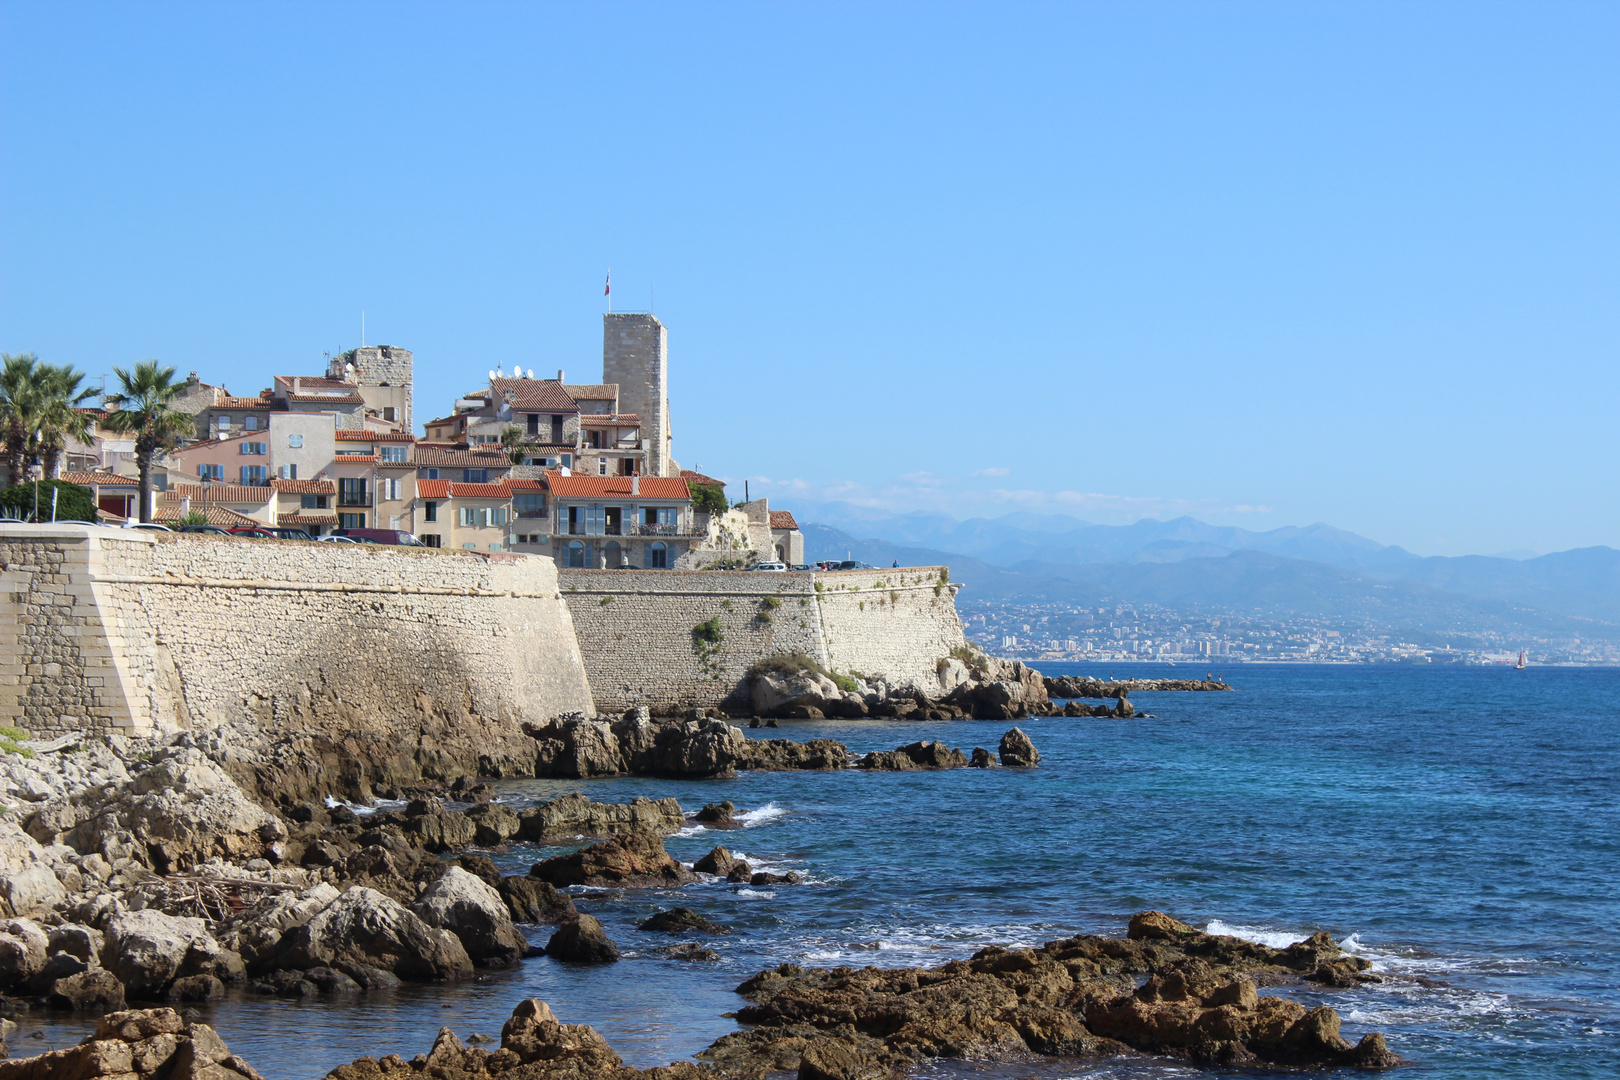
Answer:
(494, 547)
(388, 488)
(312, 502)
(497, 516)
(475, 476)
(534, 423)
(351, 521)
(255, 448)
(576, 555)
(295, 441)
(431, 539)
(666, 515)
(568, 461)
(224, 424)
(466, 517)
(556, 429)
(530, 504)
(393, 454)
(429, 474)
(250, 423)
(657, 556)
(287, 472)
(255, 475)
(352, 491)
(431, 512)
(212, 472)
(601, 466)
(388, 413)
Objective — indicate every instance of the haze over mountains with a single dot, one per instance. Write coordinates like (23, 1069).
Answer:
(1316, 569)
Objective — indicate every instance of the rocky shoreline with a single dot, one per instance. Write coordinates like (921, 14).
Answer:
(165, 870)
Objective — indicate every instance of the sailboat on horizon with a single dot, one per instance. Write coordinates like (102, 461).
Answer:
(1521, 665)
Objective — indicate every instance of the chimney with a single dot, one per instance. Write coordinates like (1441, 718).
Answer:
(559, 374)
(192, 377)
(185, 505)
(296, 381)
(635, 483)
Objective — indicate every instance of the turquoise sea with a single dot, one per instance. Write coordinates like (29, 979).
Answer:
(1458, 826)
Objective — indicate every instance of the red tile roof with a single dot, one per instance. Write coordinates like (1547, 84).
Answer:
(313, 517)
(217, 493)
(597, 487)
(315, 382)
(101, 478)
(698, 478)
(535, 395)
(592, 391)
(352, 435)
(438, 454)
(783, 519)
(167, 514)
(433, 489)
(611, 419)
(459, 490)
(523, 483)
(244, 403)
(304, 487)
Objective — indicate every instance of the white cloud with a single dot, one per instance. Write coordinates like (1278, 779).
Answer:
(994, 470)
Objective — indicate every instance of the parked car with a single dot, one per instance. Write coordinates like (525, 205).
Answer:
(827, 564)
(149, 526)
(211, 529)
(801, 567)
(382, 536)
(334, 538)
(776, 566)
(9, 520)
(291, 534)
(252, 532)
(854, 564)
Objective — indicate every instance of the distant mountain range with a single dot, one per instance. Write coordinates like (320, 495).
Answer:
(1184, 562)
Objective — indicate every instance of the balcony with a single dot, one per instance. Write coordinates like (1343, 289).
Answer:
(540, 513)
(354, 498)
(676, 529)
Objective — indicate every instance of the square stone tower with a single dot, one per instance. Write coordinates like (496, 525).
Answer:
(635, 354)
(383, 374)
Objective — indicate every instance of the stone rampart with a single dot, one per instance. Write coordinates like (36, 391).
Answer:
(444, 651)
(640, 639)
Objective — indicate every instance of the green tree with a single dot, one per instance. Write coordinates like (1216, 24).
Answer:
(19, 410)
(144, 408)
(709, 497)
(73, 502)
(512, 442)
(61, 416)
(39, 413)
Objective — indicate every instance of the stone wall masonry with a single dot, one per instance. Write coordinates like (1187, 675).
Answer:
(446, 651)
(636, 628)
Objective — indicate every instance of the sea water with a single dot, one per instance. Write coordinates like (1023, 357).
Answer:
(1460, 827)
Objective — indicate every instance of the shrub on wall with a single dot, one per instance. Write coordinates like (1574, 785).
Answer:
(708, 498)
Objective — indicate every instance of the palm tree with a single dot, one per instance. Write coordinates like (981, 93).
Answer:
(512, 442)
(144, 408)
(60, 415)
(19, 410)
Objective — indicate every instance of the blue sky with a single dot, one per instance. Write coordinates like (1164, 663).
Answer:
(1268, 264)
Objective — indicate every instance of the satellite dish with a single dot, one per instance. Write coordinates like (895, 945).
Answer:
(491, 373)
(500, 373)
(531, 373)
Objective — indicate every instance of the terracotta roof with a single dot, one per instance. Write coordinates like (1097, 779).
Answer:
(104, 479)
(523, 483)
(459, 490)
(316, 382)
(350, 459)
(304, 487)
(783, 519)
(311, 518)
(592, 391)
(214, 515)
(535, 395)
(597, 487)
(442, 420)
(244, 403)
(351, 398)
(608, 419)
(698, 478)
(433, 489)
(431, 454)
(351, 435)
(217, 493)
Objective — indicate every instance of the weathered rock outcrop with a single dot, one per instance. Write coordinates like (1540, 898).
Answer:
(469, 908)
(785, 755)
(1017, 751)
(720, 815)
(581, 940)
(137, 1043)
(639, 744)
(633, 862)
(362, 928)
(681, 920)
(914, 756)
(576, 815)
(1083, 686)
(148, 951)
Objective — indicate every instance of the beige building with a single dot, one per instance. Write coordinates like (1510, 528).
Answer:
(471, 517)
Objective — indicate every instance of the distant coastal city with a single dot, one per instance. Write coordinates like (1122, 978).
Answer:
(1146, 633)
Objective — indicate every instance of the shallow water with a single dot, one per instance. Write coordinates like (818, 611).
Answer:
(1461, 826)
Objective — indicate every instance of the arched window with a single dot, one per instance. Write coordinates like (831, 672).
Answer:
(613, 555)
(657, 556)
(576, 555)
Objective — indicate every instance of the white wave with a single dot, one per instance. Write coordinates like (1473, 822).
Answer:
(690, 830)
(1271, 939)
(380, 804)
(927, 941)
(756, 894)
(753, 818)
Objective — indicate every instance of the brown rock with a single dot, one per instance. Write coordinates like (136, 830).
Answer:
(581, 940)
(636, 862)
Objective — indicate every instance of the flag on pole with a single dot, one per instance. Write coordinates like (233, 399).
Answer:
(607, 289)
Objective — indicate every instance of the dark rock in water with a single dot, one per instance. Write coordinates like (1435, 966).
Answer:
(836, 1059)
(475, 912)
(493, 824)
(918, 755)
(754, 723)
(581, 940)
(689, 951)
(370, 978)
(719, 815)
(1079, 686)
(332, 982)
(196, 988)
(717, 862)
(284, 984)
(575, 815)
(139, 1042)
(763, 878)
(981, 758)
(1123, 707)
(740, 873)
(636, 862)
(436, 829)
(1017, 752)
(533, 901)
(772, 723)
(681, 920)
(93, 991)
(779, 755)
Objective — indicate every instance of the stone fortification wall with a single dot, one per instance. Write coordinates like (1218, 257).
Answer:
(442, 652)
(636, 629)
